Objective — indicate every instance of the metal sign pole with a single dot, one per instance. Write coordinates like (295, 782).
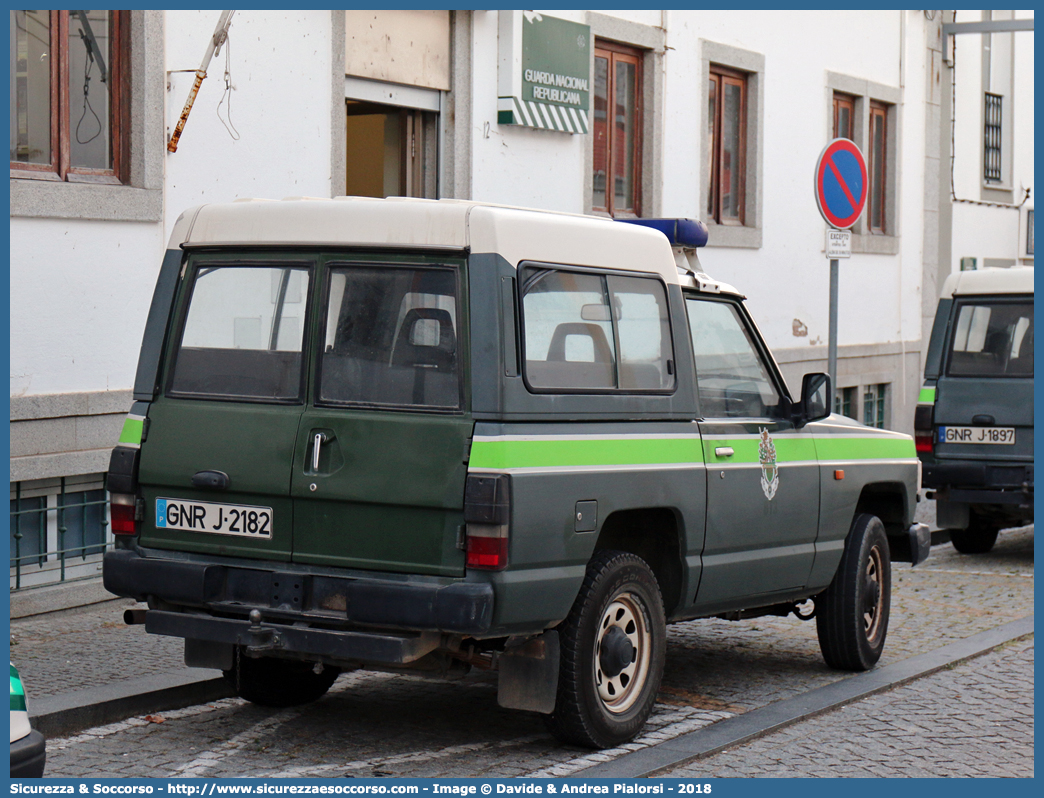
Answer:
(840, 188)
(832, 335)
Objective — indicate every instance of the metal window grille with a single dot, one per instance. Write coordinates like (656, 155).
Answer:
(56, 531)
(992, 139)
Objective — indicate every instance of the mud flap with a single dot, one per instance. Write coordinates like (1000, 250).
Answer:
(529, 675)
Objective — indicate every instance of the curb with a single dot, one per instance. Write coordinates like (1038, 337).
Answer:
(61, 715)
(739, 729)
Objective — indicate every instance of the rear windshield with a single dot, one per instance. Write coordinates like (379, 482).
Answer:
(392, 338)
(992, 339)
(243, 333)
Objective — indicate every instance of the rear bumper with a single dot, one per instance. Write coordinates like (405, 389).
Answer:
(310, 600)
(28, 756)
(1012, 478)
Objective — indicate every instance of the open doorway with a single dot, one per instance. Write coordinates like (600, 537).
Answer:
(391, 151)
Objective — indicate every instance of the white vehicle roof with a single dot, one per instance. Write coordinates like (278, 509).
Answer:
(516, 234)
(1016, 280)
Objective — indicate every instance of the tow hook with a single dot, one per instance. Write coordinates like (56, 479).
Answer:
(805, 610)
(261, 638)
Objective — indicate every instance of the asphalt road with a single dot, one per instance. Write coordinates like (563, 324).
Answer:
(375, 724)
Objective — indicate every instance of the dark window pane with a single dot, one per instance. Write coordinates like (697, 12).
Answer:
(89, 83)
(392, 338)
(712, 111)
(877, 169)
(31, 60)
(244, 333)
(28, 531)
(1029, 232)
(731, 152)
(624, 136)
(601, 132)
(644, 333)
(568, 330)
(993, 340)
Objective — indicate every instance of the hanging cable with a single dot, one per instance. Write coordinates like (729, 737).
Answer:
(230, 127)
(88, 62)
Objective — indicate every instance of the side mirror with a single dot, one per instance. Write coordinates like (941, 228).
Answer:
(815, 399)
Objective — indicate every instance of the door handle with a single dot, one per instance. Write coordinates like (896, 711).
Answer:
(723, 451)
(317, 441)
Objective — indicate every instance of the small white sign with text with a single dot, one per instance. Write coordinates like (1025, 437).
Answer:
(838, 243)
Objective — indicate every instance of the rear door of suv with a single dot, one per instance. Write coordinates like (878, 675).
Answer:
(984, 396)
(217, 451)
(381, 456)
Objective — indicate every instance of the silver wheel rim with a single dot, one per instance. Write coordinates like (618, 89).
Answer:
(873, 592)
(618, 693)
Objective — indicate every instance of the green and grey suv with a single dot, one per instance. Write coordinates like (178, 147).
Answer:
(427, 436)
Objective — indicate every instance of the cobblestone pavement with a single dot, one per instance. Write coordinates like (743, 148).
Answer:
(380, 724)
(940, 725)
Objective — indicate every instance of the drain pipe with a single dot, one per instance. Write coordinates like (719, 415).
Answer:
(220, 34)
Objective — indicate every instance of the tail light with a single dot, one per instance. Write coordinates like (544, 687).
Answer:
(487, 513)
(123, 514)
(924, 420)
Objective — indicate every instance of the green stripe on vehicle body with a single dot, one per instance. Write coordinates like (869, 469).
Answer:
(869, 448)
(926, 396)
(535, 453)
(131, 434)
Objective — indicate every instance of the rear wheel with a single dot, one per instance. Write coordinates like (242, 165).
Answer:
(978, 538)
(273, 682)
(852, 614)
(613, 648)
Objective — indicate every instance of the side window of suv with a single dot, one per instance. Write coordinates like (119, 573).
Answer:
(243, 334)
(731, 376)
(587, 332)
(392, 338)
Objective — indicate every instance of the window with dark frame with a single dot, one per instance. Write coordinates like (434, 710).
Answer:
(617, 136)
(1029, 231)
(877, 166)
(68, 95)
(992, 139)
(726, 145)
(844, 115)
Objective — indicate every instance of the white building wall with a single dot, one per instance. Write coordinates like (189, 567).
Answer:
(981, 231)
(280, 68)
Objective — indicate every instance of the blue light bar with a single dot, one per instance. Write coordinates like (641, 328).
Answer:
(680, 232)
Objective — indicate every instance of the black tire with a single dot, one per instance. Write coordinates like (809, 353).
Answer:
(852, 614)
(978, 538)
(273, 682)
(613, 647)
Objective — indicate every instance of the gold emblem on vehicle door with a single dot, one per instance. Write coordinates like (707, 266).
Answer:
(769, 470)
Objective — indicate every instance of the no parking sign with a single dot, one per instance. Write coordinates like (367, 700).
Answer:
(841, 184)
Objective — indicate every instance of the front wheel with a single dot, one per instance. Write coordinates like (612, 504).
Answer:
(852, 614)
(274, 682)
(613, 647)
